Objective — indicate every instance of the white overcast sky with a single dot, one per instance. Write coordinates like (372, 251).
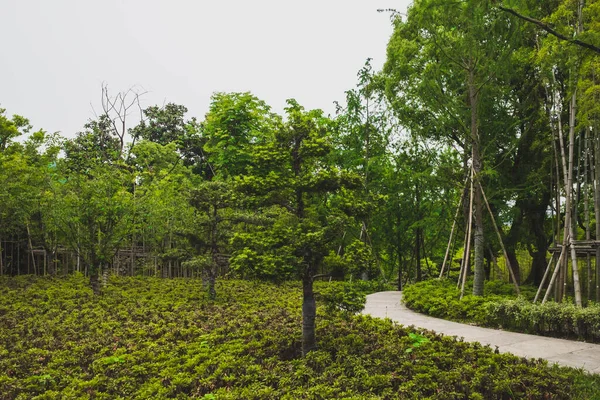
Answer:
(57, 53)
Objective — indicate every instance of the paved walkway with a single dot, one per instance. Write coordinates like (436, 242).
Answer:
(564, 352)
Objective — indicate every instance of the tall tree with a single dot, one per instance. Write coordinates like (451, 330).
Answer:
(441, 62)
(290, 172)
(92, 213)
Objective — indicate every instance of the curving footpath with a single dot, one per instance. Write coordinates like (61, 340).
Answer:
(564, 352)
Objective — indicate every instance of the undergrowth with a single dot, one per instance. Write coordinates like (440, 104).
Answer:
(148, 338)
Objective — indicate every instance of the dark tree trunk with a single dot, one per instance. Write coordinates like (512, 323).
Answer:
(309, 312)
(95, 281)
(399, 251)
(538, 267)
(399, 272)
(212, 293)
(418, 232)
(418, 254)
(214, 250)
(512, 239)
(488, 264)
(536, 216)
(50, 257)
(514, 263)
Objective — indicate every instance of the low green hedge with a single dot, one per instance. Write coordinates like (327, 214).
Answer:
(499, 309)
(148, 338)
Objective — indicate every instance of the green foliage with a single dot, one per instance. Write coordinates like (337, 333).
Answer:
(550, 319)
(234, 125)
(93, 212)
(162, 125)
(499, 309)
(11, 129)
(153, 338)
(417, 341)
(343, 296)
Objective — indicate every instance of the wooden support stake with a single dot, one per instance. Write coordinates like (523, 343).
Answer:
(555, 274)
(462, 262)
(510, 270)
(462, 197)
(466, 259)
(539, 291)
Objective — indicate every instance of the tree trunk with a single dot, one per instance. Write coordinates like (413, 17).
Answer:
(597, 207)
(309, 312)
(464, 270)
(478, 240)
(418, 254)
(210, 274)
(94, 280)
(569, 194)
(104, 276)
(50, 257)
(399, 251)
(538, 267)
(132, 265)
(536, 216)
(586, 210)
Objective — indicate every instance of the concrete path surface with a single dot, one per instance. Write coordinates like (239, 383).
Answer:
(564, 352)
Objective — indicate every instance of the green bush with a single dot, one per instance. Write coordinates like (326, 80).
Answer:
(348, 296)
(499, 309)
(151, 338)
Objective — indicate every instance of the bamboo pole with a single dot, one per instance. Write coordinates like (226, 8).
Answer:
(462, 197)
(586, 210)
(462, 262)
(597, 207)
(563, 281)
(576, 284)
(466, 259)
(510, 270)
(539, 291)
(556, 233)
(555, 274)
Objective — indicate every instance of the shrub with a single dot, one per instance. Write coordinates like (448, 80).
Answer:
(154, 338)
(440, 298)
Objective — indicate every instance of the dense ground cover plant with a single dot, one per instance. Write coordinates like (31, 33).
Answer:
(500, 309)
(153, 338)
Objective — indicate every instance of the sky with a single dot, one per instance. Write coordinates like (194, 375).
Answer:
(57, 54)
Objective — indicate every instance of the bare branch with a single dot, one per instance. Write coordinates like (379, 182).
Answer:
(117, 109)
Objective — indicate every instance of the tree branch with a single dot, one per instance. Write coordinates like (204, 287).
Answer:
(551, 31)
